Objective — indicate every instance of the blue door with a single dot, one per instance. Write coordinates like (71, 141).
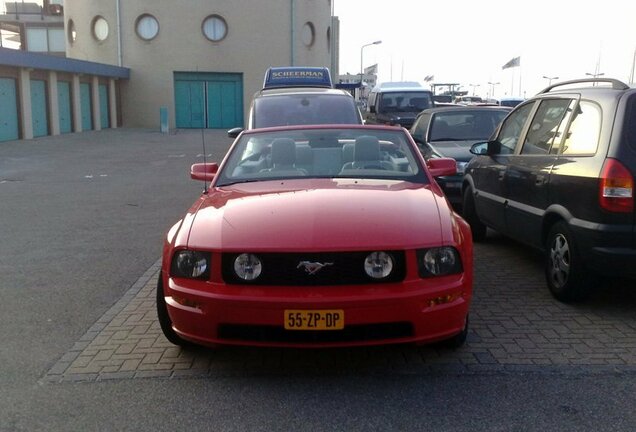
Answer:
(38, 108)
(224, 104)
(210, 100)
(189, 101)
(64, 105)
(8, 110)
(87, 110)
(103, 106)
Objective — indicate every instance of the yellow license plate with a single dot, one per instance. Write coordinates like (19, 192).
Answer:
(324, 319)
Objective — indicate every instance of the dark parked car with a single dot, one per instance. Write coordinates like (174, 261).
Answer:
(559, 176)
(449, 132)
(397, 105)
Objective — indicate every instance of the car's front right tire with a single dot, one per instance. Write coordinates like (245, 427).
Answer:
(470, 215)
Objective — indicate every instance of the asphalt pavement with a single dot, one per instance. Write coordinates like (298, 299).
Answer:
(82, 217)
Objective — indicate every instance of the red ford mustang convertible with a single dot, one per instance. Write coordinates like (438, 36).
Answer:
(318, 236)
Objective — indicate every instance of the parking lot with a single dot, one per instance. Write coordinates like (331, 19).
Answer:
(82, 221)
(515, 326)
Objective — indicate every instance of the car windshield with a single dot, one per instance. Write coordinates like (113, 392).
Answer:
(406, 101)
(362, 153)
(282, 110)
(458, 125)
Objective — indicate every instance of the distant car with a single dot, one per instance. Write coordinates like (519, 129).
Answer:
(397, 105)
(510, 101)
(469, 100)
(316, 236)
(558, 175)
(450, 132)
(299, 96)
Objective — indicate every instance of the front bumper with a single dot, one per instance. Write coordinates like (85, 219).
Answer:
(410, 311)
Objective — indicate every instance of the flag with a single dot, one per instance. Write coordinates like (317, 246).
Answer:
(512, 63)
(371, 70)
(428, 78)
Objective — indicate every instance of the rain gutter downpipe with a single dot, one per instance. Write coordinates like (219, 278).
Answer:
(291, 33)
(119, 58)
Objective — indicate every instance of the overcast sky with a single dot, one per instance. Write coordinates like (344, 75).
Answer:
(468, 41)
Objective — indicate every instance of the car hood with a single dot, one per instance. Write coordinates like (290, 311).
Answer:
(320, 214)
(458, 150)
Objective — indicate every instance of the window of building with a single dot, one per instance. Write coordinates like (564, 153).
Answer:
(308, 34)
(214, 28)
(72, 32)
(328, 39)
(100, 28)
(56, 40)
(36, 40)
(147, 27)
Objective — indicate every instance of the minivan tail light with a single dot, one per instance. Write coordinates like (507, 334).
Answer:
(616, 187)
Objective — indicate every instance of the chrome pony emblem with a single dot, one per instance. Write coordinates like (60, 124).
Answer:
(312, 267)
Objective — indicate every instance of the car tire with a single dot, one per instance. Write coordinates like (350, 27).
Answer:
(470, 215)
(459, 339)
(565, 274)
(164, 319)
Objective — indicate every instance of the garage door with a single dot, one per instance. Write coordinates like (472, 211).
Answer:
(64, 105)
(208, 100)
(103, 106)
(87, 110)
(38, 108)
(8, 110)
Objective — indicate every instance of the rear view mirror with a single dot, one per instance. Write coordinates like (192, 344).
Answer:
(234, 132)
(204, 171)
(442, 166)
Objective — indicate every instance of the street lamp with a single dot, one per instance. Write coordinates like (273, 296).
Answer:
(492, 88)
(473, 86)
(362, 63)
(550, 79)
(594, 75)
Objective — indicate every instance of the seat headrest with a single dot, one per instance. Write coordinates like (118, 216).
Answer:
(283, 151)
(367, 148)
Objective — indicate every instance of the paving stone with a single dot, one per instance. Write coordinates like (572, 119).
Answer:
(516, 327)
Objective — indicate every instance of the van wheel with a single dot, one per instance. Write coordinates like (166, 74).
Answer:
(164, 319)
(565, 274)
(470, 215)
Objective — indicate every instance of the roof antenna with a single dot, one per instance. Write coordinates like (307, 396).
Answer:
(205, 182)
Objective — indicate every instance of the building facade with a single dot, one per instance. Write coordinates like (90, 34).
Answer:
(200, 60)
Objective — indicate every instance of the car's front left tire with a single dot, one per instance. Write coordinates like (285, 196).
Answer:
(459, 339)
(164, 319)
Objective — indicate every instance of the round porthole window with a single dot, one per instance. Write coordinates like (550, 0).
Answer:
(215, 28)
(147, 27)
(100, 28)
(308, 34)
(72, 32)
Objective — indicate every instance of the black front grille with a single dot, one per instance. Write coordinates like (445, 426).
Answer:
(352, 333)
(340, 268)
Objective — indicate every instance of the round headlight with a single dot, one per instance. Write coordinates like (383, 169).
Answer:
(378, 265)
(247, 266)
(191, 264)
(439, 261)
